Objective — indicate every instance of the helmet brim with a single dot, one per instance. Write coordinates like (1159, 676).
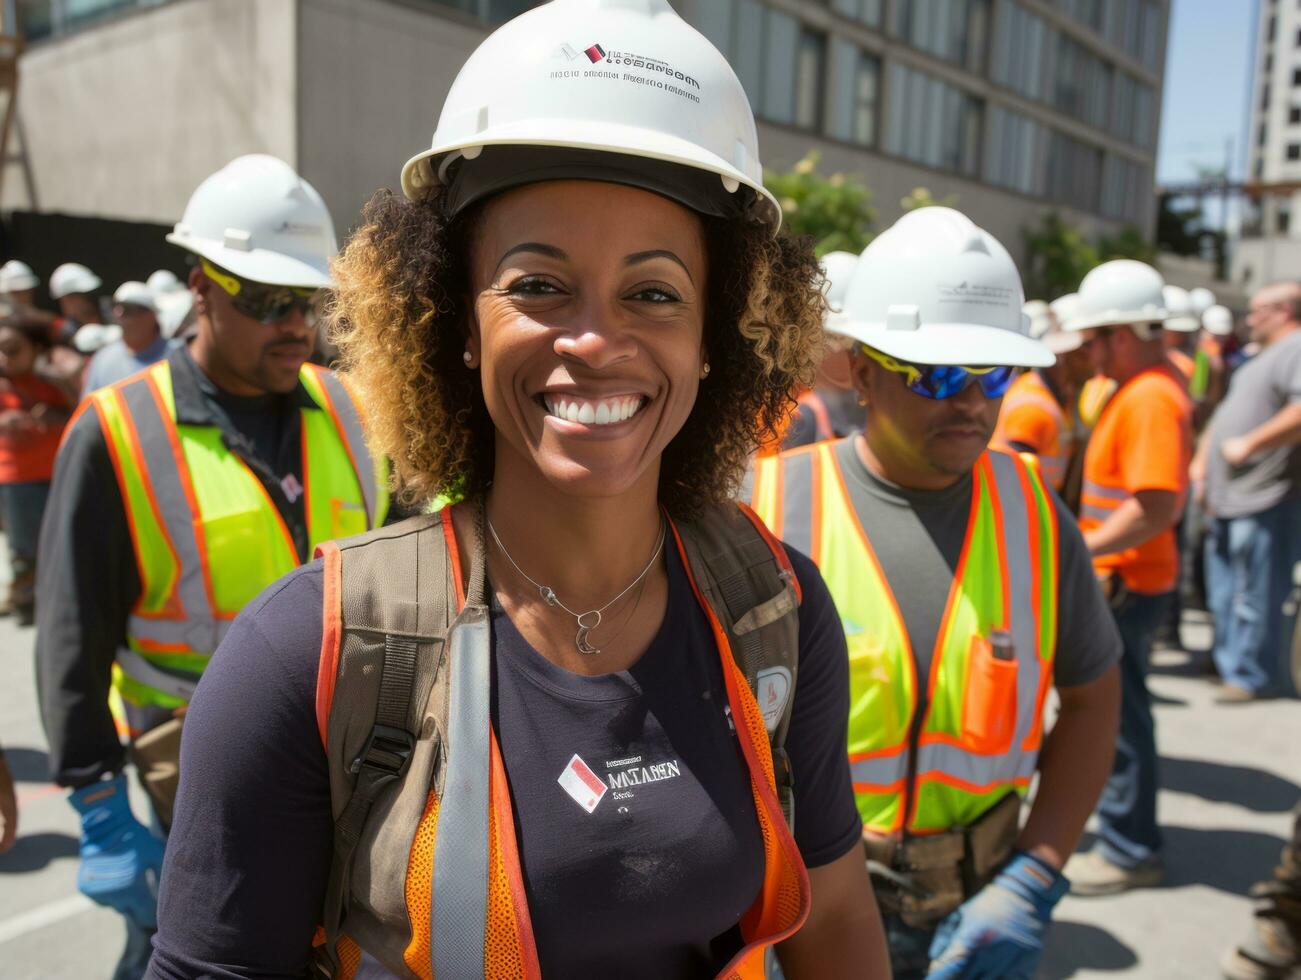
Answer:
(259, 264)
(421, 176)
(962, 344)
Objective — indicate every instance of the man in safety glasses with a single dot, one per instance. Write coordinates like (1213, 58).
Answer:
(966, 593)
(179, 494)
(1135, 483)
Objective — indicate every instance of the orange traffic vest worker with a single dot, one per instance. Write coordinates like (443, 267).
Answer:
(1034, 420)
(965, 593)
(1135, 483)
(560, 727)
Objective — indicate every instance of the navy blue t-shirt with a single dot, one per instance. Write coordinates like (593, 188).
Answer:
(637, 831)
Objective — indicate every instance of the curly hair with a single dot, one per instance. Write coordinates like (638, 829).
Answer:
(399, 317)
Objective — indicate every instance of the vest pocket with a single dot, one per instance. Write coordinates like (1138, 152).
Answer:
(989, 703)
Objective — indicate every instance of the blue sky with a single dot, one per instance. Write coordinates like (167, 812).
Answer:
(1208, 64)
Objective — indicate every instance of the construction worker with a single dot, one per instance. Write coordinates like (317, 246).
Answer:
(179, 494)
(828, 410)
(173, 299)
(18, 283)
(1039, 413)
(587, 391)
(136, 312)
(966, 594)
(1135, 480)
(76, 290)
(1178, 333)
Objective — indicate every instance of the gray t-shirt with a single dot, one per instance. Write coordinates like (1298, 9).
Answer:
(1260, 388)
(918, 535)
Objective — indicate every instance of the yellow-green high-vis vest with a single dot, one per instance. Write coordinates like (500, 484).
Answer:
(206, 535)
(979, 736)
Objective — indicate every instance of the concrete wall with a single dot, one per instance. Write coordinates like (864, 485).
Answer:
(125, 120)
(1260, 261)
(373, 76)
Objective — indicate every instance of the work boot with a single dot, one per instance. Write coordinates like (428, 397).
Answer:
(22, 597)
(1272, 950)
(1091, 874)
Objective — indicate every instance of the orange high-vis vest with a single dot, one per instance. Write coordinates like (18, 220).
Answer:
(509, 950)
(1032, 417)
(1142, 441)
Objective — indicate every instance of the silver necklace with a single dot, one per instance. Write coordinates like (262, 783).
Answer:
(590, 620)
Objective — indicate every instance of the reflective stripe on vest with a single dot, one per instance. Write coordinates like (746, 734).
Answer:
(509, 949)
(1098, 502)
(206, 536)
(981, 733)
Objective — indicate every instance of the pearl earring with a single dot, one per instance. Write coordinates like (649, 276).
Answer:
(467, 357)
(704, 371)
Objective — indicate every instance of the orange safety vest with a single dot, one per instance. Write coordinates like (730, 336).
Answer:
(1028, 397)
(777, 913)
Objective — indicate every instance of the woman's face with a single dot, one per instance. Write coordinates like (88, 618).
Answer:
(588, 319)
(17, 353)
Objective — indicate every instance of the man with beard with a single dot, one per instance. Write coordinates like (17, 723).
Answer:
(966, 593)
(180, 493)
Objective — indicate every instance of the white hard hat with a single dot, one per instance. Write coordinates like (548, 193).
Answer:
(1120, 292)
(1218, 321)
(90, 337)
(935, 289)
(1179, 310)
(73, 277)
(1046, 327)
(1040, 316)
(599, 77)
(136, 293)
(1202, 299)
(15, 275)
(256, 218)
(163, 280)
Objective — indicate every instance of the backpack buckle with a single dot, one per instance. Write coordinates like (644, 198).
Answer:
(388, 750)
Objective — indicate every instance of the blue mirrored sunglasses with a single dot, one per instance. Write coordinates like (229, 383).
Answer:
(940, 381)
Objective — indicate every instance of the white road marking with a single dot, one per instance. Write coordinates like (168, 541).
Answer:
(42, 916)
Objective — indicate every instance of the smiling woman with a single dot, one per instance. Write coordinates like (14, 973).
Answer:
(554, 729)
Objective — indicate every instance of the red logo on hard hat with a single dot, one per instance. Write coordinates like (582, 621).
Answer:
(595, 53)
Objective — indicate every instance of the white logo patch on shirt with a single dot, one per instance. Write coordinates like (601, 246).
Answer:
(582, 785)
(774, 686)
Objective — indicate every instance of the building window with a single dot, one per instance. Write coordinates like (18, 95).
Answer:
(868, 11)
(1294, 151)
(1296, 76)
(1082, 84)
(855, 92)
(1021, 41)
(1074, 172)
(933, 123)
(1283, 219)
(955, 30)
(1126, 189)
(810, 69)
(1014, 151)
(1294, 115)
(1133, 115)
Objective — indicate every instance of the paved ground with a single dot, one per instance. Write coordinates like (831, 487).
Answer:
(1231, 776)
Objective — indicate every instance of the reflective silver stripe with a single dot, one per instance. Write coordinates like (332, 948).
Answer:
(200, 630)
(354, 435)
(1106, 493)
(459, 896)
(1021, 575)
(140, 670)
(796, 475)
(978, 770)
(881, 771)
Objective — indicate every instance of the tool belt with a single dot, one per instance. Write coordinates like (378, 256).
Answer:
(923, 879)
(156, 755)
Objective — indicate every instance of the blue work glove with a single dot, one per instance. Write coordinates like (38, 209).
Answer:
(120, 859)
(998, 933)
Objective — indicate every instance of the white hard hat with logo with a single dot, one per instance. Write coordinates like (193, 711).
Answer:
(935, 289)
(1120, 292)
(1218, 320)
(73, 277)
(256, 218)
(1179, 310)
(599, 77)
(135, 293)
(16, 275)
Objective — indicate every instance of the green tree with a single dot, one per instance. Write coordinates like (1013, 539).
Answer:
(1057, 258)
(921, 197)
(1129, 243)
(836, 211)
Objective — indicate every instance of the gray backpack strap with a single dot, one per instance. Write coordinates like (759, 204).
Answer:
(392, 609)
(743, 574)
(459, 896)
